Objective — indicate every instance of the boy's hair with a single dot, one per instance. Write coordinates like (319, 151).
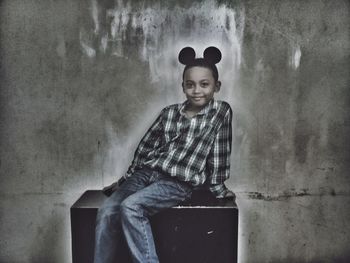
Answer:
(211, 56)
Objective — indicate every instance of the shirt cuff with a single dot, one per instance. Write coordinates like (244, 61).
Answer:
(219, 190)
(130, 172)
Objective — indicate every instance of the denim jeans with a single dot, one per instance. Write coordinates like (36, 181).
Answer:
(125, 215)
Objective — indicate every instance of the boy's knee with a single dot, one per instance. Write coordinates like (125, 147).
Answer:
(129, 207)
(109, 213)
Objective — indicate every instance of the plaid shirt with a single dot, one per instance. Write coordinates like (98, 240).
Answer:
(196, 150)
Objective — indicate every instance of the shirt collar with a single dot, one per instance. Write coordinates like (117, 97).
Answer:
(212, 105)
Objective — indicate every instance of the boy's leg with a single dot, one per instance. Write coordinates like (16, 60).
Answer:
(164, 192)
(109, 239)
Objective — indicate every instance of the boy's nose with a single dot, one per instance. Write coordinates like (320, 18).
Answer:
(196, 89)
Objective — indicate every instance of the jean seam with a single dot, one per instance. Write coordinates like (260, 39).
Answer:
(145, 235)
(109, 221)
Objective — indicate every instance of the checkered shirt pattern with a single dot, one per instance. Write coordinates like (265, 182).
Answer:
(196, 150)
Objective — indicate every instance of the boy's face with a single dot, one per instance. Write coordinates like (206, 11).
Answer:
(199, 86)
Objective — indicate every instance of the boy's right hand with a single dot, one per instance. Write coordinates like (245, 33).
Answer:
(108, 190)
(121, 180)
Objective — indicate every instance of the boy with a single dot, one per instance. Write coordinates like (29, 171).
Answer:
(188, 145)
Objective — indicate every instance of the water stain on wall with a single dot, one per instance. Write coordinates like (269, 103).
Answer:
(154, 34)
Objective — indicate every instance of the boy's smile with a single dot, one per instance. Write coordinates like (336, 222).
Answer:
(199, 87)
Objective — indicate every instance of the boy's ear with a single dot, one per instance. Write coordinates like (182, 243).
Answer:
(183, 87)
(217, 86)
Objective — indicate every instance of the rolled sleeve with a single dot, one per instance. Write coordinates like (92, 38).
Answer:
(218, 162)
(149, 141)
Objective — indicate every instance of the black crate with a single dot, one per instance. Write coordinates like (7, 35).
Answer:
(203, 230)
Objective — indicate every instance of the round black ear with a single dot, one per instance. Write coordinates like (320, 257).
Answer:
(187, 55)
(212, 54)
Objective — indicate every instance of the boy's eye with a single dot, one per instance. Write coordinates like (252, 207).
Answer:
(204, 84)
(189, 85)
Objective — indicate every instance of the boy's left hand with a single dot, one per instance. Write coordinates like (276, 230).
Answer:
(229, 195)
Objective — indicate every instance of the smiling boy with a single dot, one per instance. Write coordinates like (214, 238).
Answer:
(199, 87)
(188, 145)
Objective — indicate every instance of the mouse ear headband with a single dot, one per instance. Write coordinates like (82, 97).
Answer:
(187, 55)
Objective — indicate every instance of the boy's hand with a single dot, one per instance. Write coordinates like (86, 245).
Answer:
(108, 190)
(121, 180)
(228, 196)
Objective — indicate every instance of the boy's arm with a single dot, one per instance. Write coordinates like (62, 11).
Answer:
(218, 162)
(149, 141)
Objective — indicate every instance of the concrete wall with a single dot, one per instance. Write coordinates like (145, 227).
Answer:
(82, 80)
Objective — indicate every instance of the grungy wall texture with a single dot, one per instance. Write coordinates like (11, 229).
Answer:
(82, 80)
